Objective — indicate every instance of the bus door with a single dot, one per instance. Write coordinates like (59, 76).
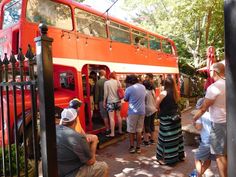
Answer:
(90, 75)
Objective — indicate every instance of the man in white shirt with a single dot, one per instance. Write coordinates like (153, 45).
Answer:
(215, 100)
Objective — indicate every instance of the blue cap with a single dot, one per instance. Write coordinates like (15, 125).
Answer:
(75, 103)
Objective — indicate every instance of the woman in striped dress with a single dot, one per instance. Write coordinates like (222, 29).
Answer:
(170, 148)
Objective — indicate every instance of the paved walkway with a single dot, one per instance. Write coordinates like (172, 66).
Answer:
(123, 164)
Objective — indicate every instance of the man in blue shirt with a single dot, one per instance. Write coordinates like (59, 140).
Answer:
(135, 95)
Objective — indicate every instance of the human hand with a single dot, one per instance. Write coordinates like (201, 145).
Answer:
(88, 139)
(96, 106)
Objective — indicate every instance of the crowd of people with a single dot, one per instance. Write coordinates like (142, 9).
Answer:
(76, 150)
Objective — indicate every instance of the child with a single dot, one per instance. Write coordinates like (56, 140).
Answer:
(203, 154)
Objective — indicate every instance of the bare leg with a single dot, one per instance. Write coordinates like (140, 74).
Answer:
(202, 166)
(198, 165)
(139, 138)
(105, 119)
(119, 121)
(131, 139)
(93, 140)
(221, 161)
(145, 135)
(152, 135)
(112, 123)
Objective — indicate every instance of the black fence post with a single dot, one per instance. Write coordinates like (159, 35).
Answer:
(46, 102)
(230, 61)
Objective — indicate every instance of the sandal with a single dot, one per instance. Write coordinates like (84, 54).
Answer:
(110, 136)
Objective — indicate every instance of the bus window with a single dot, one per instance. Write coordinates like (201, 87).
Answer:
(50, 13)
(155, 43)
(139, 38)
(12, 12)
(90, 24)
(166, 47)
(119, 33)
(67, 80)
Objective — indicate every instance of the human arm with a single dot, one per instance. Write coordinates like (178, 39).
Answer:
(160, 98)
(96, 95)
(105, 94)
(206, 104)
(198, 126)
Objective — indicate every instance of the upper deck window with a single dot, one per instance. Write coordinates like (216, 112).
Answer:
(119, 33)
(167, 47)
(139, 38)
(50, 13)
(90, 24)
(155, 43)
(12, 12)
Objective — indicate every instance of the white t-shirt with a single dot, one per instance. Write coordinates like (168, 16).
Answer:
(216, 91)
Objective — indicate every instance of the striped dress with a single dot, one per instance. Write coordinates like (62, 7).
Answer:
(170, 147)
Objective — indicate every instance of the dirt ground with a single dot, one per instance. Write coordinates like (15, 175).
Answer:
(123, 164)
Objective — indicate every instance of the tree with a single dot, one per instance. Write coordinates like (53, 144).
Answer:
(193, 25)
(79, 0)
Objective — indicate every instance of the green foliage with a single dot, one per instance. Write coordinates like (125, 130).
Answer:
(182, 103)
(197, 24)
(13, 159)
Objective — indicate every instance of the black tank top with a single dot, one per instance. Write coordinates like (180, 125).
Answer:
(168, 106)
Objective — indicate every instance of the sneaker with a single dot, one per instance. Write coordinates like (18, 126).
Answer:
(131, 149)
(145, 143)
(138, 150)
(151, 142)
(107, 132)
(193, 173)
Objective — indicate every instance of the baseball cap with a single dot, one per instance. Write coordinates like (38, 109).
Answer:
(68, 115)
(75, 103)
(199, 103)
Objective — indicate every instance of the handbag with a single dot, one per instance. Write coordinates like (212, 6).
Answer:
(120, 91)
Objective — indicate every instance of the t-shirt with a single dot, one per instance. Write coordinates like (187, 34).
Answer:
(72, 151)
(135, 95)
(216, 92)
(206, 128)
(150, 102)
(99, 90)
(110, 91)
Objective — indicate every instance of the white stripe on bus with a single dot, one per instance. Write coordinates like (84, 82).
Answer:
(117, 67)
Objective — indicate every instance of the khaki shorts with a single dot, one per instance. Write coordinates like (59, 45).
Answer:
(98, 169)
(135, 123)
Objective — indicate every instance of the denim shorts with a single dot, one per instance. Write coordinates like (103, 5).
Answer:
(218, 138)
(203, 153)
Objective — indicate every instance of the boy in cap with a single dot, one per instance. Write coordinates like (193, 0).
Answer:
(74, 156)
(203, 154)
(92, 139)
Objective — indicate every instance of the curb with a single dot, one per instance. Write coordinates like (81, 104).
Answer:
(112, 141)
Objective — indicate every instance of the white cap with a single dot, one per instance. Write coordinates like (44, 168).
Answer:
(68, 115)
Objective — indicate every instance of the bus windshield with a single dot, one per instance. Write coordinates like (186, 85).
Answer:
(12, 12)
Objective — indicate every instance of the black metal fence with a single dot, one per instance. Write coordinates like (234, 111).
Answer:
(27, 111)
(18, 102)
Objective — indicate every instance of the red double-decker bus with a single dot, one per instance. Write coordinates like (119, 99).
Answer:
(85, 41)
